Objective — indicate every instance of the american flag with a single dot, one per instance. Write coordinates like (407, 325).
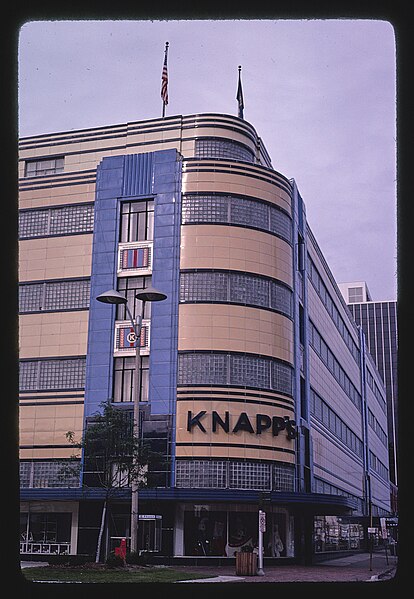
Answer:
(164, 79)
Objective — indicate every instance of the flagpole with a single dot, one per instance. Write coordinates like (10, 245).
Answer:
(164, 84)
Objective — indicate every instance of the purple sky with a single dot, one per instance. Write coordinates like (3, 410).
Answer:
(321, 94)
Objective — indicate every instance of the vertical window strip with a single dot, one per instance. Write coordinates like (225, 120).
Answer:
(332, 310)
(337, 371)
(324, 413)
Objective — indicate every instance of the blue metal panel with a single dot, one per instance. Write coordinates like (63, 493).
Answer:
(98, 386)
(155, 174)
(138, 173)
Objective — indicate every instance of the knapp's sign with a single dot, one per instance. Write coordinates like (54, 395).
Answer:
(261, 423)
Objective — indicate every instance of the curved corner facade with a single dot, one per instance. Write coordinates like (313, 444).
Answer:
(254, 385)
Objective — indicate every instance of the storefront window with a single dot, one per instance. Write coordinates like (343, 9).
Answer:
(45, 532)
(205, 532)
(333, 533)
(222, 533)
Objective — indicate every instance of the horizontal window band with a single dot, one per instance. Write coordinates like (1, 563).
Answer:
(241, 445)
(229, 353)
(237, 400)
(241, 196)
(225, 394)
(236, 272)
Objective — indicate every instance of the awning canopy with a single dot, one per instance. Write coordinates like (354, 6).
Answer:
(312, 503)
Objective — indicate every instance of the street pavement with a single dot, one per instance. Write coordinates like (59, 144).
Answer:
(354, 568)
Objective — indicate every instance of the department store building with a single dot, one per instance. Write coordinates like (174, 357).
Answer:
(256, 383)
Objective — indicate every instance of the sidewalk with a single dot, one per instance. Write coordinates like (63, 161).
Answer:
(355, 568)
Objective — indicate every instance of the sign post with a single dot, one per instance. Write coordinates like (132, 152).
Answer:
(262, 529)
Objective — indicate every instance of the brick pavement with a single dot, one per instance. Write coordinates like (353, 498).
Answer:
(355, 568)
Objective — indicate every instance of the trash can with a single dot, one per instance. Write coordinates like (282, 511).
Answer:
(246, 563)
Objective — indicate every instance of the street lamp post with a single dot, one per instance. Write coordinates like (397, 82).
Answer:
(149, 294)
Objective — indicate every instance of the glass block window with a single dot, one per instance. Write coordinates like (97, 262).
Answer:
(47, 474)
(280, 298)
(281, 377)
(235, 210)
(202, 369)
(283, 478)
(250, 475)
(33, 223)
(31, 297)
(249, 212)
(50, 374)
(50, 295)
(237, 288)
(66, 220)
(215, 147)
(236, 370)
(247, 289)
(204, 286)
(224, 474)
(46, 166)
(249, 371)
(205, 208)
(280, 223)
(201, 474)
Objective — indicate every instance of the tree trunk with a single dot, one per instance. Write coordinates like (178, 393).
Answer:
(98, 547)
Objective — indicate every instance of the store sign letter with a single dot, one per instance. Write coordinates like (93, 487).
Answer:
(263, 422)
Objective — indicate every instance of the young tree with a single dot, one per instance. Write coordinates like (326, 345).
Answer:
(113, 456)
